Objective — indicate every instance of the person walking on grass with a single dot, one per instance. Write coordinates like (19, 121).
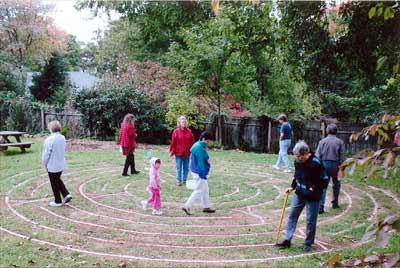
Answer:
(181, 142)
(53, 160)
(332, 151)
(285, 139)
(154, 187)
(308, 183)
(127, 139)
(200, 168)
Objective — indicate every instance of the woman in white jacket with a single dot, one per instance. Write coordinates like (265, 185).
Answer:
(53, 159)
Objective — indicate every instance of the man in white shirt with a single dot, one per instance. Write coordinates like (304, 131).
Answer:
(53, 159)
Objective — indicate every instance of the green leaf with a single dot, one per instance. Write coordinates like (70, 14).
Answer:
(380, 11)
(372, 12)
(396, 68)
(389, 13)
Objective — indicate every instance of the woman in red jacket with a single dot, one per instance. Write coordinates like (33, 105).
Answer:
(127, 139)
(182, 141)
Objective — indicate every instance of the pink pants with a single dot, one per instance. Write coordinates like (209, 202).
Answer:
(155, 199)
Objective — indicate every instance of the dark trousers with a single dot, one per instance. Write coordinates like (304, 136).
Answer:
(129, 161)
(332, 169)
(57, 186)
(296, 207)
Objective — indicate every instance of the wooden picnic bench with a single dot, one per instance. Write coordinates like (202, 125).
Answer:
(7, 143)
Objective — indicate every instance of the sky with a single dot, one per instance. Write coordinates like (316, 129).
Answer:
(79, 23)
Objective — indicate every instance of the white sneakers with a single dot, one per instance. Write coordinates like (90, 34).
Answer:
(54, 204)
(144, 204)
(287, 170)
(157, 212)
(65, 200)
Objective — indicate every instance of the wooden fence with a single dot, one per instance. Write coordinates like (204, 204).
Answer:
(262, 134)
(72, 122)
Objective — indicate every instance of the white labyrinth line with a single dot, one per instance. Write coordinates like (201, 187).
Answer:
(149, 233)
(134, 212)
(130, 257)
(388, 193)
(166, 224)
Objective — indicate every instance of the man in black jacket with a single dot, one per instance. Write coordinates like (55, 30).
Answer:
(308, 183)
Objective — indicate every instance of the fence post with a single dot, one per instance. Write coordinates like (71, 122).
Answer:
(42, 117)
(323, 129)
(269, 135)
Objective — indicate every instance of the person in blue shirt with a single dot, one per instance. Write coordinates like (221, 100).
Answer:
(200, 168)
(285, 139)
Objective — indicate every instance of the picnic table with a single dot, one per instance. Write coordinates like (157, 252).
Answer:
(7, 143)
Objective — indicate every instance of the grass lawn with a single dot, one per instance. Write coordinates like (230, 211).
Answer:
(105, 226)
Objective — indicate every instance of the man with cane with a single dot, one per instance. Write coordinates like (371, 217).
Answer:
(308, 183)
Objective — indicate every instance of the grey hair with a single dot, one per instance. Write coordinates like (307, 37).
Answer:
(54, 126)
(301, 148)
(331, 129)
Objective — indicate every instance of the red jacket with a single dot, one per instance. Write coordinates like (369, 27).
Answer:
(182, 141)
(127, 138)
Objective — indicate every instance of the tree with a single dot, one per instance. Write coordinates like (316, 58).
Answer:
(203, 59)
(27, 34)
(156, 23)
(73, 53)
(49, 85)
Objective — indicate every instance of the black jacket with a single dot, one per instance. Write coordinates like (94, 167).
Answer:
(310, 178)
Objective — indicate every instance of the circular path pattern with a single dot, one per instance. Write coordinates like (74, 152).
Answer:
(105, 217)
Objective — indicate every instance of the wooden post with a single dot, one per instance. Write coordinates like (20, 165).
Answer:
(269, 135)
(43, 120)
(323, 129)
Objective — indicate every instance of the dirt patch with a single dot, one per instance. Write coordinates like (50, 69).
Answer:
(86, 145)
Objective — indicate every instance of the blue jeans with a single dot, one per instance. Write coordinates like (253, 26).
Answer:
(182, 166)
(332, 169)
(296, 207)
(283, 153)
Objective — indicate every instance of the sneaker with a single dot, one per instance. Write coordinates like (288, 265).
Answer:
(135, 172)
(187, 211)
(208, 210)
(54, 204)
(157, 212)
(179, 184)
(321, 211)
(144, 204)
(67, 199)
(307, 248)
(284, 244)
(287, 171)
(276, 167)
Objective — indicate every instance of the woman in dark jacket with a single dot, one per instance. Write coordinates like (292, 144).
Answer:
(127, 139)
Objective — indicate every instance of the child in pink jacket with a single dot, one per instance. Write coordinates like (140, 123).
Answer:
(154, 187)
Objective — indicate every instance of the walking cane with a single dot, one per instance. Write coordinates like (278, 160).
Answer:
(281, 220)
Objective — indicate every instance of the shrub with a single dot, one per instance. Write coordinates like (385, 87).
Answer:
(103, 110)
(182, 103)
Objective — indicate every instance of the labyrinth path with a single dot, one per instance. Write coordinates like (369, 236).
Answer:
(105, 217)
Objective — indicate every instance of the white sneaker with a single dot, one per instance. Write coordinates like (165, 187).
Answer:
(157, 212)
(54, 204)
(67, 199)
(144, 204)
(276, 167)
(287, 171)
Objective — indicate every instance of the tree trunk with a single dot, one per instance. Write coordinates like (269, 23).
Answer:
(261, 76)
(219, 127)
